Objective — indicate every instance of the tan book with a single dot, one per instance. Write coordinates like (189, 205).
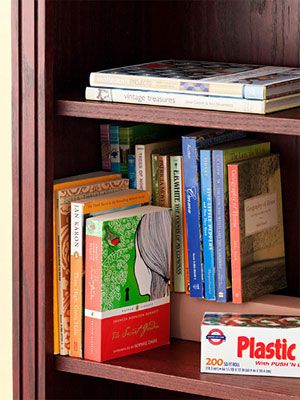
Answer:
(63, 198)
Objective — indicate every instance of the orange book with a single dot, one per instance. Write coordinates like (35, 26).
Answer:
(80, 210)
(60, 344)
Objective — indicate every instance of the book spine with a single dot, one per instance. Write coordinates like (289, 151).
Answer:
(235, 240)
(219, 225)
(56, 349)
(125, 144)
(105, 147)
(92, 321)
(140, 158)
(185, 238)
(114, 140)
(154, 164)
(131, 171)
(178, 244)
(76, 275)
(191, 188)
(170, 99)
(146, 83)
(62, 283)
(164, 190)
(207, 224)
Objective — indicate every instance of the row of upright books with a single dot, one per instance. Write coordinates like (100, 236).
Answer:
(203, 85)
(225, 231)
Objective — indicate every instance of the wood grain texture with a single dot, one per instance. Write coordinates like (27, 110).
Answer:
(176, 367)
(283, 122)
(16, 100)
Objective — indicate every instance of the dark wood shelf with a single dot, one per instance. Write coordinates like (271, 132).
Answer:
(177, 367)
(284, 122)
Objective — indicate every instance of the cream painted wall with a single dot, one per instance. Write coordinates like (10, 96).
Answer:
(5, 203)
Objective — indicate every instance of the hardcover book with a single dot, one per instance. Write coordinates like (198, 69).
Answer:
(194, 101)
(64, 183)
(127, 300)
(63, 198)
(204, 77)
(256, 228)
(221, 157)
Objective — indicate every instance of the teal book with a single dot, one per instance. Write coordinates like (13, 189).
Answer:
(221, 156)
(256, 228)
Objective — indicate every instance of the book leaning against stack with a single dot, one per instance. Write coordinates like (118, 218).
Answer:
(203, 85)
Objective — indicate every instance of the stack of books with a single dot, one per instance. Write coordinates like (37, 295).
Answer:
(203, 85)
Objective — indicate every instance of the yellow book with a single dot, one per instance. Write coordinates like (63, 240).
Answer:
(80, 210)
(59, 184)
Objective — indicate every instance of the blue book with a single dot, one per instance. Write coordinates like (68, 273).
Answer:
(221, 157)
(190, 153)
(131, 171)
(207, 224)
(114, 140)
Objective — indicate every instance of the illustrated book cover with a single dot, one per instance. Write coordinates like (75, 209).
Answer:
(256, 228)
(203, 77)
(64, 183)
(62, 199)
(80, 211)
(127, 299)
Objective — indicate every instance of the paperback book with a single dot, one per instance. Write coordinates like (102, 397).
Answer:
(63, 198)
(221, 156)
(190, 152)
(256, 228)
(203, 77)
(127, 300)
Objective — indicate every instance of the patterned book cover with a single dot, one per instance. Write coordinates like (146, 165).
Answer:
(105, 200)
(177, 227)
(105, 147)
(154, 185)
(59, 184)
(207, 224)
(63, 198)
(256, 228)
(114, 142)
(127, 300)
(222, 156)
(203, 77)
(190, 151)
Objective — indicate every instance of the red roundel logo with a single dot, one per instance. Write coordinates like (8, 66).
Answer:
(216, 336)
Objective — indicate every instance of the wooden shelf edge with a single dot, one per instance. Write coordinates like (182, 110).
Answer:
(283, 122)
(176, 367)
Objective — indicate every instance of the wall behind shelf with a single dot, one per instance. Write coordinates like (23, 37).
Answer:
(5, 204)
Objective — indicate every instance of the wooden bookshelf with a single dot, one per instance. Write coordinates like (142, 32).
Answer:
(284, 122)
(56, 44)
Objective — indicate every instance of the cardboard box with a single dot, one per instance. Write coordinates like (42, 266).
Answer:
(248, 344)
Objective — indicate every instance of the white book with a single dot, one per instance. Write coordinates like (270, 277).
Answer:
(196, 101)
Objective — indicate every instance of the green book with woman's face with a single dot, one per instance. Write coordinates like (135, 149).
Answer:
(128, 256)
